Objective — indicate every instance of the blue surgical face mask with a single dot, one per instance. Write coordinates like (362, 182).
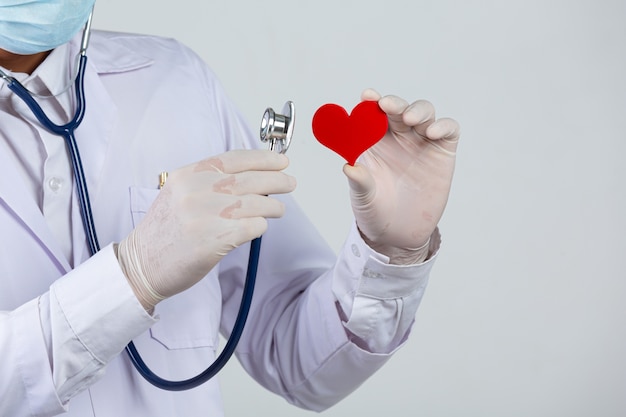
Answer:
(32, 26)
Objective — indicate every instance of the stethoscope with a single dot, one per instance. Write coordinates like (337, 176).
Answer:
(276, 130)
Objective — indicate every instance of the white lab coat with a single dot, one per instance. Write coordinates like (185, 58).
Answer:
(153, 106)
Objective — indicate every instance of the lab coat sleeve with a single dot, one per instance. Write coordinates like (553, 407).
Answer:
(57, 345)
(379, 311)
(296, 343)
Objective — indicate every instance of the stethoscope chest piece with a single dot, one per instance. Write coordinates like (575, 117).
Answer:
(277, 129)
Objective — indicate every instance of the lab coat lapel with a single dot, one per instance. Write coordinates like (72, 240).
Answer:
(26, 212)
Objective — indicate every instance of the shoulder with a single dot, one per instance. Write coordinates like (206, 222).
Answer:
(137, 42)
(118, 52)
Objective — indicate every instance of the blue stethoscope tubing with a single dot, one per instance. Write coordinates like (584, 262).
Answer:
(67, 131)
(229, 348)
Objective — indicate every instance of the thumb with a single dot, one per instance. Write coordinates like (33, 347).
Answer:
(362, 184)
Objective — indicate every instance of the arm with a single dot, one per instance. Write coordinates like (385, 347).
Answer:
(58, 344)
(296, 343)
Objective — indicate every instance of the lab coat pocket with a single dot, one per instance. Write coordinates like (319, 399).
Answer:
(141, 199)
(190, 319)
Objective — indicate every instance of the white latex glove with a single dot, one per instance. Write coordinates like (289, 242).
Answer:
(204, 211)
(400, 186)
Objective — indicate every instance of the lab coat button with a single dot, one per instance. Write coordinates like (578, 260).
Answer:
(355, 251)
(55, 184)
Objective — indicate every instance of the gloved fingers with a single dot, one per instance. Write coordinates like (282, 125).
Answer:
(419, 115)
(233, 233)
(255, 182)
(369, 94)
(246, 229)
(243, 160)
(249, 206)
(361, 182)
(444, 133)
(395, 106)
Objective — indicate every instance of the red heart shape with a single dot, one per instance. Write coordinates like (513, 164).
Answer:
(350, 135)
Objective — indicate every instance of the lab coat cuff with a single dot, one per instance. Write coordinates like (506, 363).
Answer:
(100, 307)
(382, 280)
(32, 360)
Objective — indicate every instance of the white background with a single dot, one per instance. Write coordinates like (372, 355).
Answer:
(524, 315)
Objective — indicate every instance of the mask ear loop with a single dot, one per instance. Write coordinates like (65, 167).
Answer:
(84, 43)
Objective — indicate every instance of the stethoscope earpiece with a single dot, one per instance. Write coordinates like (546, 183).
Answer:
(277, 129)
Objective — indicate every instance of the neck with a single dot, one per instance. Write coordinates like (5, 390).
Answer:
(21, 63)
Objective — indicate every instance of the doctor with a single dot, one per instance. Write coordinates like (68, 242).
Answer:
(172, 264)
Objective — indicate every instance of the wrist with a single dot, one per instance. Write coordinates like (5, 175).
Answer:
(131, 267)
(400, 256)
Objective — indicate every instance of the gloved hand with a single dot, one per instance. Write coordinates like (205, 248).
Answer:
(399, 187)
(203, 212)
